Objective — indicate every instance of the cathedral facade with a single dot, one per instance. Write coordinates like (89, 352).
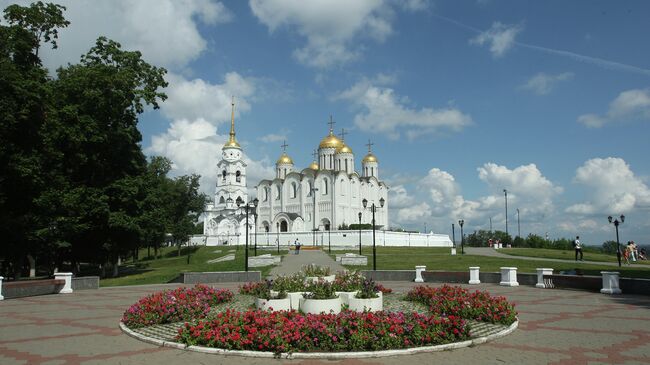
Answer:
(326, 195)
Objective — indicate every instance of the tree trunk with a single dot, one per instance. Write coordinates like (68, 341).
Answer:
(179, 250)
(32, 266)
(149, 251)
(116, 269)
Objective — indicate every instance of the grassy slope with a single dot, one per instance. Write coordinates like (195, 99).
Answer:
(563, 254)
(162, 270)
(398, 258)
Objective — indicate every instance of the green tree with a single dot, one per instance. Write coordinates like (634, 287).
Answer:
(187, 206)
(24, 106)
(609, 247)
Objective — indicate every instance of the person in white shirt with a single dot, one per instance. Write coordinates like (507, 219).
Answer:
(578, 247)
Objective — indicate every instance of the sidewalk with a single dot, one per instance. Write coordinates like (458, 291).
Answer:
(293, 263)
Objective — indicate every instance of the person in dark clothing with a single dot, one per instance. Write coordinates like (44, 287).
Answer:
(578, 247)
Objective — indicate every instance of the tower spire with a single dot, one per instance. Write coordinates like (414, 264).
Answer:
(331, 123)
(232, 141)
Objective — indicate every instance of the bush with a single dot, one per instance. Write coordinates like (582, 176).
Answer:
(348, 281)
(320, 289)
(293, 283)
(315, 270)
(368, 290)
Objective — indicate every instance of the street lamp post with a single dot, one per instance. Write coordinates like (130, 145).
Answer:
(518, 226)
(618, 245)
(277, 232)
(462, 237)
(255, 202)
(329, 240)
(359, 233)
(505, 192)
(247, 207)
(453, 234)
(373, 208)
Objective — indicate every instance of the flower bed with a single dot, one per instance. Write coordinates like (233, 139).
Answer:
(456, 301)
(176, 305)
(348, 331)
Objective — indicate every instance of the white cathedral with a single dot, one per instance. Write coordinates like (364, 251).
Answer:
(326, 195)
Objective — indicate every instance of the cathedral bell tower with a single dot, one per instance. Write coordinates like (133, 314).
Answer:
(231, 179)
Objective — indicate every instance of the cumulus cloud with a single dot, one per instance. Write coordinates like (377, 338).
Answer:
(197, 98)
(612, 186)
(384, 112)
(330, 26)
(138, 25)
(194, 147)
(542, 83)
(414, 214)
(269, 138)
(629, 105)
(500, 37)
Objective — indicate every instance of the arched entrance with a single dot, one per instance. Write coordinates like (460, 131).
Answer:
(283, 226)
(325, 223)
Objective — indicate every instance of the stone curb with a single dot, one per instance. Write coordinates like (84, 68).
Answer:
(322, 355)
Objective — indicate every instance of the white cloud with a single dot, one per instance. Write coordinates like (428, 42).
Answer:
(500, 37)
(165, 31)
(195, 147)
(269, 138)
(612, 186)
(196, 99)
(385, 112)
(330, 26)
(414, 214)
(542, 83)
(629, 105)
(399, 197)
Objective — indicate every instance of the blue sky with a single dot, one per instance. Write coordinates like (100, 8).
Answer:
(462, 99)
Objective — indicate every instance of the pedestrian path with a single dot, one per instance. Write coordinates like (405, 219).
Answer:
(293, 263)
(488, 251)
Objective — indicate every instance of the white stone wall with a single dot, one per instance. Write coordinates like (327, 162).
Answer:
(344, 239)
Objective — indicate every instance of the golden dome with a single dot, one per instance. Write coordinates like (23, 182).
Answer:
(369, 158)
(331, 141)
(314, 166)
(285, 159)
(232, 143)
(344, 148)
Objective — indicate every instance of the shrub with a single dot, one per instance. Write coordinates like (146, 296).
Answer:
(368, 290)
(252, 288)
(320, 289)
(176, 305)
(315, 270)
(348, 281)
(293, 283)
(456, 301)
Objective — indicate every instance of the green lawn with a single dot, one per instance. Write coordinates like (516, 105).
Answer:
(563, 254)
(162, 270)
(403, 258)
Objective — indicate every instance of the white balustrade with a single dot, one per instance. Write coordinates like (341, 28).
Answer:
(610, 282)
(67, 276)
(540, 277)
(509, 276)
(418, 273)
(474, 275)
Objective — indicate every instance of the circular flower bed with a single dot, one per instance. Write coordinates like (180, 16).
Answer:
(451, 315)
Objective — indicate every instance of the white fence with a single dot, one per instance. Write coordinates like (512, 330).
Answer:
(333, 238)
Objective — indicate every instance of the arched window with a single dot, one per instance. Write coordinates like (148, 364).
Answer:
(324, 187)
(372, 171)
(223, 175)
(346, 164)
(294, 190)
(310, 187)
(222, 200)
(278, 192)
(265, 194)
(343, 187)
(238, 176)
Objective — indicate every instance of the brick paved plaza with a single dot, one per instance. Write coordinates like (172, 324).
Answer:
(556, 327)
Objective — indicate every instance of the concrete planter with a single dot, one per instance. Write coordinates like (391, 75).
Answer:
(294, 298)
(370, 304)
(329, 278)
(610, 282)
(418, 273)
(273, 304)
(509, 276)
(345, 296)
(541, 271)
(317, 306)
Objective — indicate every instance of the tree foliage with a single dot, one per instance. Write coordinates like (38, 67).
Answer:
(75, 185)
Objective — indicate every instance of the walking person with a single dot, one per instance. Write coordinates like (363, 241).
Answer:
(578, 247)
(297, 244)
